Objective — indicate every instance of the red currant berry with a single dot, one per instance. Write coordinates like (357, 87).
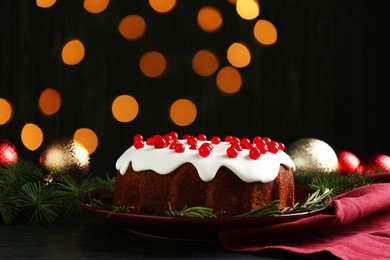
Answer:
(192, 140)
(138, 137)
(228, 138)
(254, 153)
(174, 135)
(193, 147)
(150, 141)
(139, 144)
(256, 139)
(159, 142)
(202, 137)
(266, 139)
(231, 152)
(186, 136)
(273, 147)
(215, 140)
(179, 147)
(205, 150)
(282, 146)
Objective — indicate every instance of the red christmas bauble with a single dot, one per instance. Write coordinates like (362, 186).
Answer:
(8, 153)
(376, 163)
(348, 161)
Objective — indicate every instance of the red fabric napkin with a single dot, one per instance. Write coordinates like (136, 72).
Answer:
(357, 227)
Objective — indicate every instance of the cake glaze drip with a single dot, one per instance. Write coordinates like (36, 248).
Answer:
(164, 161)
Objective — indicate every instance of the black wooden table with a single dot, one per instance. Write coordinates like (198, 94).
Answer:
(92, 238)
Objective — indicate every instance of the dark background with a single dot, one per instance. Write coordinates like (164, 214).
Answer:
(326, 77)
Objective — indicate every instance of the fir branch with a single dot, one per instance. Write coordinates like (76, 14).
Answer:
(8, 208)
(40, 201)
(193, 212)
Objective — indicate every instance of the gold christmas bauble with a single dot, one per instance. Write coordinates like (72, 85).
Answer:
(65, 156)
(312, 155)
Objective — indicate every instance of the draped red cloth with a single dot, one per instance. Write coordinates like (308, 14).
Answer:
(356, 227)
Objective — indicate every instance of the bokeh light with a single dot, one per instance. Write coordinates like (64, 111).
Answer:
(162, 6)
(238, 55)
(124, 108)
(95, 6)
(49, 101)
(31, 136)
(132, 27)
(209, 19)
(45, 3)
(265, 32)
(6, 111)
(87, 138)
(248, 9)
(183, 112)
(205, 63)
(152, 64)
(229, 80)
(73, 52)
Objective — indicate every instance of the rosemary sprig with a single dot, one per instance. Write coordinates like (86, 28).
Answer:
(315, 201)
(267, 210)
(192, 212)
(99, 204)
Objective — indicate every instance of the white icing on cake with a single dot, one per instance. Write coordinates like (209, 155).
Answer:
(164, 161)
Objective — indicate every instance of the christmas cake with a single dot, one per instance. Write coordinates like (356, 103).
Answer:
(232, 176)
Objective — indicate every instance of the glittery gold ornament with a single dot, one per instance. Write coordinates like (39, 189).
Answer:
(65, 156)
(312, 155)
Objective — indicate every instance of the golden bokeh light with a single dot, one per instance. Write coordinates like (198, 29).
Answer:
(45, 3)
(229, 80)
(125, 108)
(132, 27)
(238, 55)
(6, 111)
(152, 64)
(31, 136)
(265, 32)
(95, 6)
(183, 112)
(248, 9)
(209, 19)
(162, 6)
(49, 101)
(205, 63)
(233, 2)
(87, 138)
(73, 52)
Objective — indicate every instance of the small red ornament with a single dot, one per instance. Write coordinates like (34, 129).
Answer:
(8, 153)
(348, 162)
(376, 163)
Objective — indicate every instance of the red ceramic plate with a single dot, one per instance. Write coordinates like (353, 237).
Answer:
(196, 228)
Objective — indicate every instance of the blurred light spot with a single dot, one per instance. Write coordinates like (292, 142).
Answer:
(87, 138)
(152, 64)
(73, 52)
(233, 2)
(183, 112)
(31, 136)
(229, 80)
(248, 9)
(6, 111)
(49, 101)
(265, 32)
(124, 108)
(45, 3)
(96, 6)
(205, 63)
(238, 55)
(162, 6)
(209, 19)
(132, 27)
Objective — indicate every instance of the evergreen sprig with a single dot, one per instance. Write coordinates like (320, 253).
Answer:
(25, 193)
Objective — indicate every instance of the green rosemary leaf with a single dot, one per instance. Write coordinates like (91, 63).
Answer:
(193, 212)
